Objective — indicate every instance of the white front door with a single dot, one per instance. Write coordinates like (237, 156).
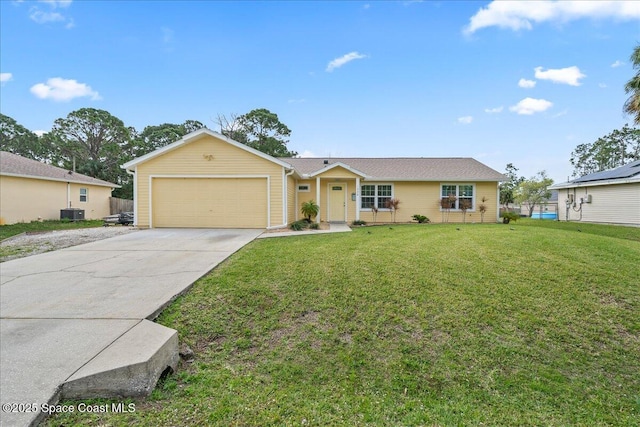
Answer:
(337, 210)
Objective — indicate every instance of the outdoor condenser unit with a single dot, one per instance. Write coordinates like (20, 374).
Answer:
(74, 214)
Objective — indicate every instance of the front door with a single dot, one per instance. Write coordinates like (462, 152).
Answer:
(337, 202)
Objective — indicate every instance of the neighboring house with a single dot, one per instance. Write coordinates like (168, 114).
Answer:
(208, 180)
(611, 196)
(31, 190)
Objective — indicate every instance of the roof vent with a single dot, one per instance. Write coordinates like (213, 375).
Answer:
(326, 162)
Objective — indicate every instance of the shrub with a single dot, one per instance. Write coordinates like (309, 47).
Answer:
(314, 226)
(359, 222)
(421, 218)
(509, 216)
(299, 225)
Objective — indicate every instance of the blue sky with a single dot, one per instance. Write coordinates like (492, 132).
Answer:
(503, 82)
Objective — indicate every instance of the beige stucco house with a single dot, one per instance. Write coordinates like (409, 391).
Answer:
(208, 180)
(611, 196)
(31, 190)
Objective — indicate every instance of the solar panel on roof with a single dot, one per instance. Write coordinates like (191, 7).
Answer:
(626, 171)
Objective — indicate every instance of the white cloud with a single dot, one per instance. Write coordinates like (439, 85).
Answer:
(602, 85)
(5, 77)
(307, 153)
(494, 110)
(527, 84)
(39, 132)
(40, 16)
(296, 101)
(570, 75)
(617, 64)
(465, 120)
(519, 15)
(59, 89)
(339, 62)
(530, 106)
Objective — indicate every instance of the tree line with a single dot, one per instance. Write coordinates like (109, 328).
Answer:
(93, 142)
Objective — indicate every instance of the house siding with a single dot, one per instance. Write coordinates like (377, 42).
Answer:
(423, 198)
(617, 204)
(291, 199)
(28, 199)
(192, 159)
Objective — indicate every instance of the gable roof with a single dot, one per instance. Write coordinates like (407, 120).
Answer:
(14, 165)
(623, 174)
(403, 168)
(328, 167)
(190, 137)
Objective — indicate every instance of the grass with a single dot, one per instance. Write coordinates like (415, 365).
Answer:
(7, 231)
(443, 325)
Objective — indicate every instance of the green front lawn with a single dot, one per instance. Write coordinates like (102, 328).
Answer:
(443, 325)
(7, 231)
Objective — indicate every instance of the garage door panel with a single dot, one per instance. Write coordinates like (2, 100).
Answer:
(210, 202)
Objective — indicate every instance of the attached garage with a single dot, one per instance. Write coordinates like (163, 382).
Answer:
(210, 202)
(206, 180)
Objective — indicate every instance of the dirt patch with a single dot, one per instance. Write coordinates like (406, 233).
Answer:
(36, 243)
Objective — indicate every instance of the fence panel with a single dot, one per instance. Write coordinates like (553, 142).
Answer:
(117, 205)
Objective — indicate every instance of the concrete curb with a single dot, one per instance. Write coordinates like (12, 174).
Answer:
(129, 367)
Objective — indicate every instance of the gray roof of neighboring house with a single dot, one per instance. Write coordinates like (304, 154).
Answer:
(626, 171)
(629, 173)
(405, 168)
(15, 165)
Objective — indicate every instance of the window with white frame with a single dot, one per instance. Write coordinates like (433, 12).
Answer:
(375, 195)
(84, 195)
(456, 196)
(303, 188)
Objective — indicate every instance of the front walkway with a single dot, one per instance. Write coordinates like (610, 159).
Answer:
(333, 228)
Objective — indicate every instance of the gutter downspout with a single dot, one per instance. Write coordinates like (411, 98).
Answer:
(68, 194)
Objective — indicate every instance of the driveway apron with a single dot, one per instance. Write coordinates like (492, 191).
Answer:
(59, 310)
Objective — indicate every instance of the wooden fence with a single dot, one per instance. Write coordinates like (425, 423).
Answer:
(117, 205)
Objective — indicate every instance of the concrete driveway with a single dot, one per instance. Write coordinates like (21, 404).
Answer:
(63, 312)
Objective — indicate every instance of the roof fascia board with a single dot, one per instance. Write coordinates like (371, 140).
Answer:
(194, 135)
(432, 179)
(16, 175)
(563, 185)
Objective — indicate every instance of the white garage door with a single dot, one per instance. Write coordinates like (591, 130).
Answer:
(209, 202)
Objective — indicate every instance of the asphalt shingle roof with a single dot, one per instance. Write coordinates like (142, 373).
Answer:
(13, 164)
(405, 168)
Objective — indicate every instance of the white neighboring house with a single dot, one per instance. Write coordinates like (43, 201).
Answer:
(611, 196)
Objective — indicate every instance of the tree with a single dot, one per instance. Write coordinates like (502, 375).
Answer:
(534, 191)
(632, 106)
(17, 139)
(260, 129)
(610, 151)
(96, 142)
(154, 137)
(508, 187)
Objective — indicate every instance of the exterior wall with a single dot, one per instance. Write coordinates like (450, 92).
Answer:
(28, 199)
(192, 159)
(423, 198)
(291, 199)
(616, 204)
